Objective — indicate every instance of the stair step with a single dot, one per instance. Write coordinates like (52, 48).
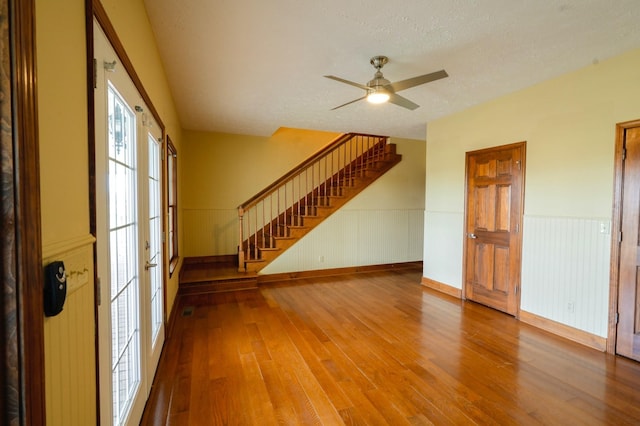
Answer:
(268, 249)
(254, 265)
(214, 286)
(283, 238)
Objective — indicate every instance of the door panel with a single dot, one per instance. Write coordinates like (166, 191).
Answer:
(129, 240)
(153, 251)
(628, 332)
(495, 189)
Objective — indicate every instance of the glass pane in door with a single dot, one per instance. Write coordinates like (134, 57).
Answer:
(123, 253)
(155, 238)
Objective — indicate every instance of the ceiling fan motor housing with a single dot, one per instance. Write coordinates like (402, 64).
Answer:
(379, 61)
(378, 82)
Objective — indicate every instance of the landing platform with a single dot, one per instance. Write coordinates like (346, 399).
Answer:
(208, 277)
(211, 277)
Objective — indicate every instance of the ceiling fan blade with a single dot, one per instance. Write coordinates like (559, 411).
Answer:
(416, 81)
(342, 80)
(394, 98)
(355, 100)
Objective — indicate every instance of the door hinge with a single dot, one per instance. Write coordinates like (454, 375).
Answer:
(620, 237)
(95, 73)
(98, 292)
(517, 289)
(624, 154)
(617, 318)
(163, 237)
(517, 228)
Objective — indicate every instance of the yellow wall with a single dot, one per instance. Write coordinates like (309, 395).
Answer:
(62, 108)
(403, 186)
(569, 126)
(225, 169)
(62, 119)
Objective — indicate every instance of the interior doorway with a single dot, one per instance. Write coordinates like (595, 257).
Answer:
(493, 222)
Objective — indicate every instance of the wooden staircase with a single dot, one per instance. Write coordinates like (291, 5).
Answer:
(283, 213)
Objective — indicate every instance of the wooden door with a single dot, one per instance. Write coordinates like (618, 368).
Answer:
(494, 207)
(628, 333)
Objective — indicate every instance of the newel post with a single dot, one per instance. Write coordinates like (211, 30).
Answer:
(241, 267)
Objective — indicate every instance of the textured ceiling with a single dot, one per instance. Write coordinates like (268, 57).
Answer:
(252, 66)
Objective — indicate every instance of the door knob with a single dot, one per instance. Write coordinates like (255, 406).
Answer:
(473, 236)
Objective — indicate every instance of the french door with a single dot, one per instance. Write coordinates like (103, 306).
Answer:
(129, 240)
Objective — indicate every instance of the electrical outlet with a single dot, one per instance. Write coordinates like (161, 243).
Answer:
(605, 227)
(321, 259)
(570, 307)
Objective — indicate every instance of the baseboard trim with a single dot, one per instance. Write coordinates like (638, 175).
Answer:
(285, 276)
(225, 258)
(441, 287)
(563, 330)
(171, 320)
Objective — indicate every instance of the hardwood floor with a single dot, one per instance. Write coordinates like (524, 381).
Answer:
(377, 348)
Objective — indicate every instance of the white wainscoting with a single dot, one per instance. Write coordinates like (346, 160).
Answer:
(565, 271)
(69, 338)
(443, 239)
(356, 238)
(347, 238)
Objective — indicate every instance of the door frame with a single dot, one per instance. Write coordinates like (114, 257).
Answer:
(616, 228)
(523, 145)
(95, 10)
(22, 328)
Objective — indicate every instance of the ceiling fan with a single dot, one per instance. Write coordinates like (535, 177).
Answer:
(380, 90)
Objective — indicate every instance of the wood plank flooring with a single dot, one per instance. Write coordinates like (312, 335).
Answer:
(377, 348)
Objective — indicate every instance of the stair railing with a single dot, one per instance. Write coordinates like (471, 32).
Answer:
(281, 206)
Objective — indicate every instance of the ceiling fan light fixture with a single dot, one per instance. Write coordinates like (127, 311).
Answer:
(377, 97)
(380, 90)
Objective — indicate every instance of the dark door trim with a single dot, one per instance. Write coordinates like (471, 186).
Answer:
(22, 356)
